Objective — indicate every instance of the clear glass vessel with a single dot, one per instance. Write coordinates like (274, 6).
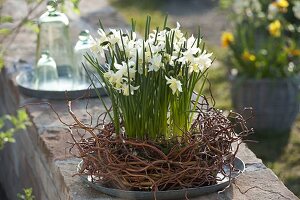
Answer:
(82, 47)
(54, 38)
(46, 73)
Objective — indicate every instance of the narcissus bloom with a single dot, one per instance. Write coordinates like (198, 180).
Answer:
(125, 89)
(275, 28)
(282, 3)
(247, 56)
(226, 39)
(174, 84)
(293, 52)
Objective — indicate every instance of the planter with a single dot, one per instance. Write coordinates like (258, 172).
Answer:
(239, 166)
(202, 161)
(275, 102)
(156, 138)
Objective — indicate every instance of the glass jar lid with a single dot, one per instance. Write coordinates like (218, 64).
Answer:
(52, 15)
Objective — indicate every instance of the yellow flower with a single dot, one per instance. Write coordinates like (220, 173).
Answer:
(226, 39)
(282, 3)
(247, 56)
(275, 28)
(293, 52)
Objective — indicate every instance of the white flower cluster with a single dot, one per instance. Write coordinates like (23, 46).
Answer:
(248, 8)
(273, 10)
(149, 56)
(296, 9)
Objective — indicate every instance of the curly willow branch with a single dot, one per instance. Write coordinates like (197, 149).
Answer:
(192, 160)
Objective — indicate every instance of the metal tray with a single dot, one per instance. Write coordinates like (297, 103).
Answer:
(239, 165)
(65, 90)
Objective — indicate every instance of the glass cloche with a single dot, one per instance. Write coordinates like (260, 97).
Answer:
(54, 38)
(82, 48)
(46, 73)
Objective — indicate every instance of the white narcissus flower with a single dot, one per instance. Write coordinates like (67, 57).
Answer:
(130, 48)
(155, 63)
(122, 75)
(178, 33)
(109, 75)
(296, 9)
(123, 69)
(133, 34)
(125, 89)
(96, 48)
(98, 45)
(240, 5)
(161, 36)
(189, 55)
(172, 60)
(192, 41)
(256, 6)
(194, 67)
(248, 7)
(114, 78)
(103, 37)
(115, 36)
(158, 47)
(204, 60)
(174, 84)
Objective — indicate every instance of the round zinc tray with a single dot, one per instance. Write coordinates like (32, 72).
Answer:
(239, 166)
(64, 89)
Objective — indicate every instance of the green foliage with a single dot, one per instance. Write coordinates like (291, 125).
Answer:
(74, 3)
(32, 26)
(27, 194)
(148, 101)
(263, 44)
(4, 31)
(6, 19)
(1, 62)
(18, 122)
(139, 10)
(225, 4)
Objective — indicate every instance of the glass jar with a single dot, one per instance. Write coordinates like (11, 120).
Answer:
(46, 73)
(54, 37)
(81, 49)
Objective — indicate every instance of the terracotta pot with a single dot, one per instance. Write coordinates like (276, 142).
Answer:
(275, 102)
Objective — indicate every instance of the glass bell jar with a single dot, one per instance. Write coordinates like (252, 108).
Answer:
(54, 37)
(82, 48)
(46, 73)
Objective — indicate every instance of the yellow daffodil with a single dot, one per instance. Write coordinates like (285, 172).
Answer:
(282, 3)
(275, 28)
(247, 56)
(293, 52)
(226, 39)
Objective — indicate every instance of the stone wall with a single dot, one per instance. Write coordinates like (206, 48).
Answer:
(40, 157)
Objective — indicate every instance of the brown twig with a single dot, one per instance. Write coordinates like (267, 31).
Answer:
(193, 160)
